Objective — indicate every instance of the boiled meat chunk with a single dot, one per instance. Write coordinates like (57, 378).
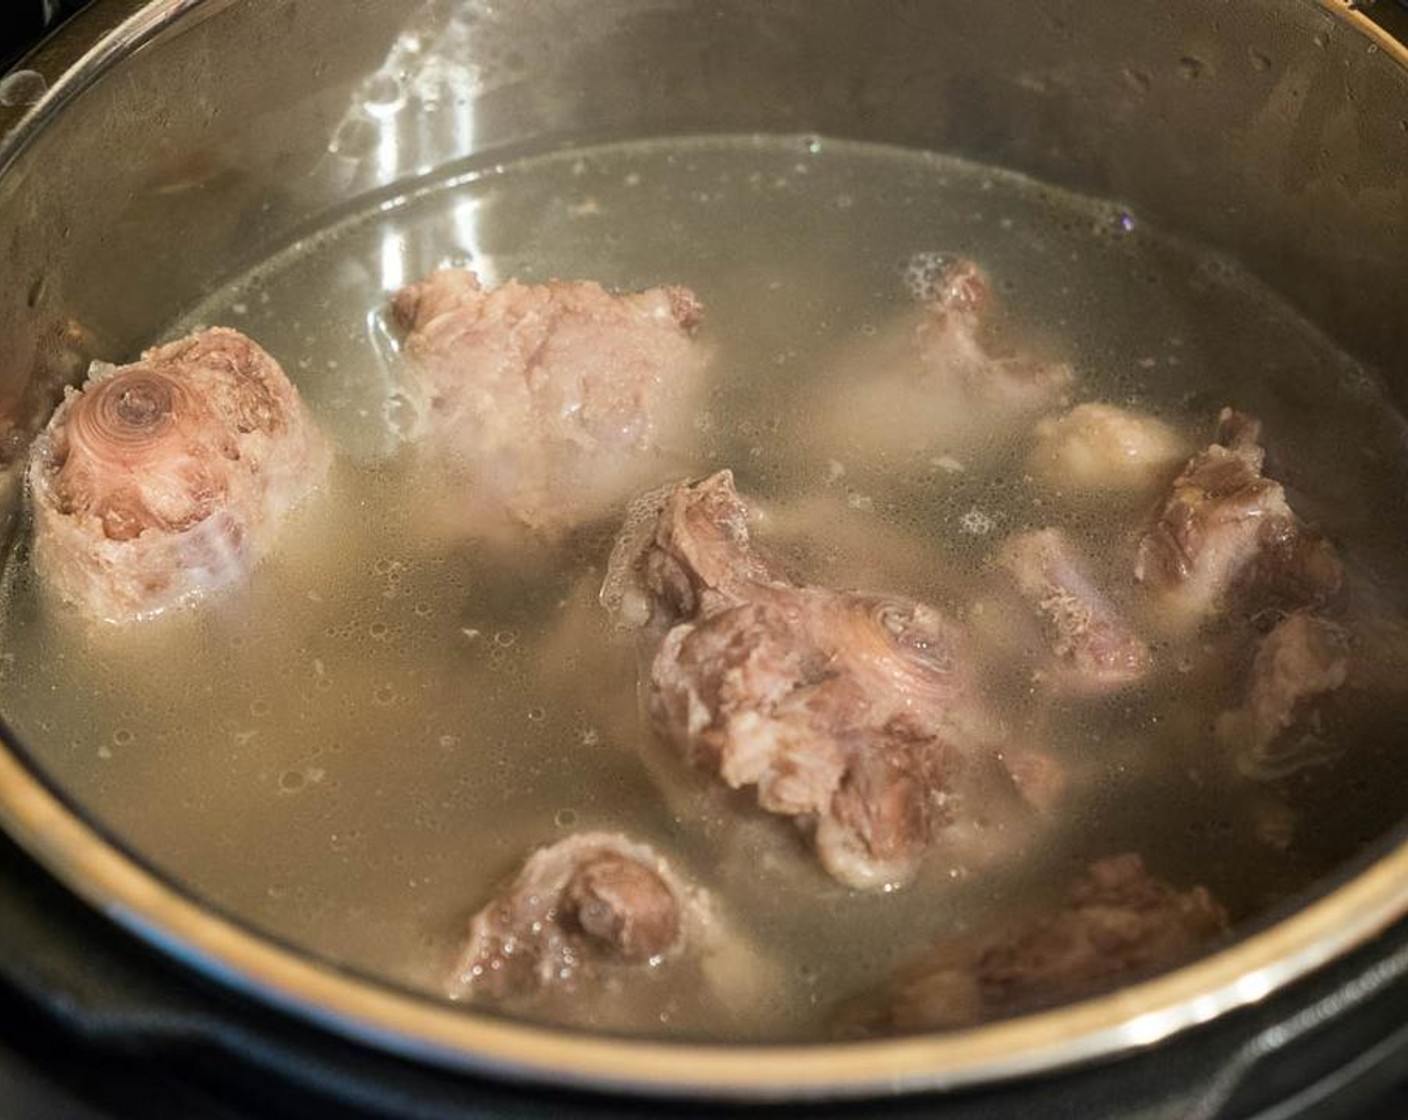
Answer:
(1095, 649)
(935, 380)
(771, 694)
(1101, 448)
(167, 478)
(595, 900)
(599, 930)
(696, 555)
(1273, 734)
(853, 713)
(958, 364)
(1117, 923)
(1226, 526)
(543, 405)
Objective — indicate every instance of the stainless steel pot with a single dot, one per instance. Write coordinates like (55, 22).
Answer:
(153, 149)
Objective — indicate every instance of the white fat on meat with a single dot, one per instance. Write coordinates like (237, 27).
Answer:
(1099, 448)
(166, 479)
(545, 405)
(935, 380)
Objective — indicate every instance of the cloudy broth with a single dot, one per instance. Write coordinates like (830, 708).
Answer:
(354, 749)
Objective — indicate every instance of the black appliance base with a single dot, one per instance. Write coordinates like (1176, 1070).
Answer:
(96, 1026)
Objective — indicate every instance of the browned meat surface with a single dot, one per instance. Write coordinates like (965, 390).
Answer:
(1116, 924)
(700, 557)
(852, 713)
(1276, 730)
(167, 478)
(1102, 449)
(773, 694)
(935, 380)
(547, 403)
(1095, 648)
(591, 906)
(1226, 526)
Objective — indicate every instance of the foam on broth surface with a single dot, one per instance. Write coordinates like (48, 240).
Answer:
(352, 751)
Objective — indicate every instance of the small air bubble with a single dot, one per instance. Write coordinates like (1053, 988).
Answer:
(378, 631)
(22, 87)
(1191, 68)
(505, 638)
(537, 715)
(291, 781)
(926, 273)
(976, 522)
(813, 145)
(122, 737)
(383, 95)
(565, 818)
(259, 708)
(384, 695)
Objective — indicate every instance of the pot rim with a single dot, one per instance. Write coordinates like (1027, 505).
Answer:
(152, 906)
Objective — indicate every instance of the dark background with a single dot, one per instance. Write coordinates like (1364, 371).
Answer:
(23, 21)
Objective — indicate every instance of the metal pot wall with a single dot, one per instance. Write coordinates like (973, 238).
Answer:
(178, 142)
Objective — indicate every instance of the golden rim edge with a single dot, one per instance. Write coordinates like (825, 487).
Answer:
(418, 1028)
(422, 1029)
